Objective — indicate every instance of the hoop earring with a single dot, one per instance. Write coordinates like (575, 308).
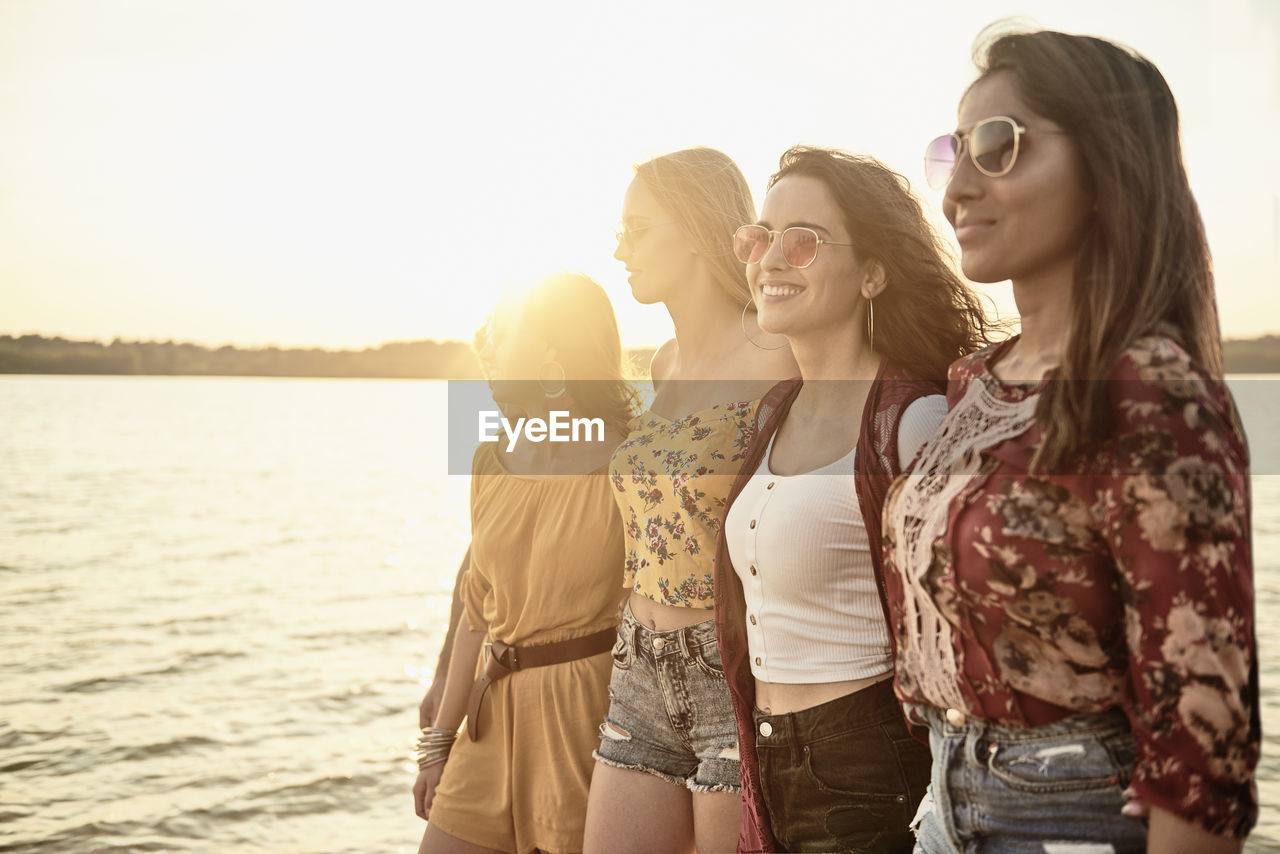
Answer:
(742, 321)
(871, 325)
(552, 393)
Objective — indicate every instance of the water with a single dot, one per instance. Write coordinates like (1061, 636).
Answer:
(220, 600)
(217, 598)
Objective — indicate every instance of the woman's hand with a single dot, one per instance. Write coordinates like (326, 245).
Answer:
(424, 789)
(452, 710)
(1134, 806)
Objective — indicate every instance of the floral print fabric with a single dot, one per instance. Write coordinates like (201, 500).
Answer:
(671, 478)
(1125, 584)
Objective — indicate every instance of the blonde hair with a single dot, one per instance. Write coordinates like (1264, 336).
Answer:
(708, 195)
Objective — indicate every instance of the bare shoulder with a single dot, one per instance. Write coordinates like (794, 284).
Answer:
(662, 366)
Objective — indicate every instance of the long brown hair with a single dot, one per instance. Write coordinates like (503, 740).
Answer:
(926, 317)
(573, 314)
(1143, 267)
(709, 197)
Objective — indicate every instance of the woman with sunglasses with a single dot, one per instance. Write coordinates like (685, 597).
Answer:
(1069, 563)
(667, 775)
(539, 589)
(845, 266)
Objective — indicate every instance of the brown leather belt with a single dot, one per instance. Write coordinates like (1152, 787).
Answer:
(503, 660)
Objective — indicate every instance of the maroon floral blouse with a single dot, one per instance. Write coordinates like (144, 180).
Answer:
(1023, 599)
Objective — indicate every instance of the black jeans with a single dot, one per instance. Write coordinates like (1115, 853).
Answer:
(842, 776)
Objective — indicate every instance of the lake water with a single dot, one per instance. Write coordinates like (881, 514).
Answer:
(220, 600)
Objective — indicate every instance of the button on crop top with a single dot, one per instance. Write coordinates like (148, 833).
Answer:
(671, 478)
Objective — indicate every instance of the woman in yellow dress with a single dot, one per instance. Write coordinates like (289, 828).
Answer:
(529, 667)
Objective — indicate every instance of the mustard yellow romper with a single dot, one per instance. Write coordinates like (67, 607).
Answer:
(546, 566)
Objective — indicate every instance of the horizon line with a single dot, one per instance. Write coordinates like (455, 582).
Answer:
(277, 346)
(106, 342)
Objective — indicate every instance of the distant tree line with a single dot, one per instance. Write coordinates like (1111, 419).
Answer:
(36, 354)
(1252, 355)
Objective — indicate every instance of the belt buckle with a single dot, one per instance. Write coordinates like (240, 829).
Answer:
(509, 651)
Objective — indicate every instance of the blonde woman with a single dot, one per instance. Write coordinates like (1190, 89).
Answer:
(667, 775)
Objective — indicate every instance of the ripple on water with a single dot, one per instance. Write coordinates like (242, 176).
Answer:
(188, 663)
(102, 837)
(75, 753)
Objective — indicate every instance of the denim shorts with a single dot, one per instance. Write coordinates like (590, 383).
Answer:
(669, 709)
(1015, 790)
(845, 775)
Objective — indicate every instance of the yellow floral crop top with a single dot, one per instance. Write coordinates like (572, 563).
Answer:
(671, 478)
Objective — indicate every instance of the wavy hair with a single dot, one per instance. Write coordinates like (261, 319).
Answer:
(1143, 267)
(926, 317)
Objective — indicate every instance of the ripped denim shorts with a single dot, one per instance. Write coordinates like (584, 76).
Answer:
(669, 709)
(1053, 789)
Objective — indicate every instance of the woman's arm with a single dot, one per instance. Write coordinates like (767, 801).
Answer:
(919, 422)
(1166, 832)
(453, 708)
(1173, 502)
(430, 704)
(462, 669)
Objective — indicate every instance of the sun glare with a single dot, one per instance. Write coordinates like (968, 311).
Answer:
(343, 174)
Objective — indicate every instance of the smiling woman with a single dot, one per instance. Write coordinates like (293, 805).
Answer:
(800, 611)
(1031, 227)
(1070, 563)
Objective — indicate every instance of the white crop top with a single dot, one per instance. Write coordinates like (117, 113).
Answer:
(799, 545)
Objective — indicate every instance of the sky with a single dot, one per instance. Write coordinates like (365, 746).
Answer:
(342, 174)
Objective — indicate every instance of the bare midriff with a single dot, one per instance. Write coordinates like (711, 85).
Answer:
(664, 618)
(777, 698)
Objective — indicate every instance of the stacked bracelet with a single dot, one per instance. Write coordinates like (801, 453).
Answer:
(434, 745)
